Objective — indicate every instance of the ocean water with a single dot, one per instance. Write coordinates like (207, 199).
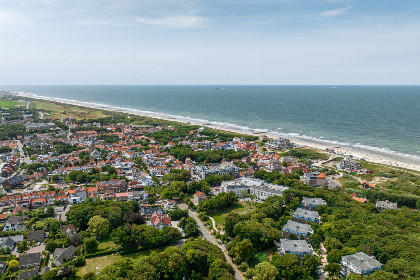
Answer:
(379, 119)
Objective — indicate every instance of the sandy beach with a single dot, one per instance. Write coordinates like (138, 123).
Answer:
(371, 156)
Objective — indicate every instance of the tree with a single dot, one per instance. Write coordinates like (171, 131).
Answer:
(50, 211)
(91, 244)
(310, 265)
(333, 269)
(334, 256)
(244, 252)
(134, 218)
(190, 227)
(50, 246)
(332, 243)
(354, 276)
(288, 266)
(98, 226)
(13, 265)
(89, 276)
(265, 271)
(177, 214)
(382, 275)
(231, 220)
(22, 246)
(54, 226)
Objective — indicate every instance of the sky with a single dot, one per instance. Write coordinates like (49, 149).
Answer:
(166, 42)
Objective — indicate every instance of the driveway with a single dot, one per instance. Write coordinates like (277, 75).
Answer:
(36, 249)
(206, 235)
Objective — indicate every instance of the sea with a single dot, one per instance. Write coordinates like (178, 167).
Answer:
(384, 120)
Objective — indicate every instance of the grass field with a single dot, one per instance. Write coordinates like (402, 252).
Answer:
(107, 244)
(57, 111)
(103, 261)
(219, 217)
(8, 104)
(40, 224)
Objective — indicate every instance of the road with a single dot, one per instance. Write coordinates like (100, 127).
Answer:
(63, 216)
(22, 154)
(206, 235)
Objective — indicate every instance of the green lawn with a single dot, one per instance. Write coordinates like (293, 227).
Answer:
(103, 261)
(8, 104)
(107, 243)
(40, 224)
(219, 217)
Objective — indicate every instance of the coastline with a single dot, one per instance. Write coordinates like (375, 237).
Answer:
(380, 157)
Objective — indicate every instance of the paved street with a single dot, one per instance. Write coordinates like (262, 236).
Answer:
(206, 235)
(22, 154)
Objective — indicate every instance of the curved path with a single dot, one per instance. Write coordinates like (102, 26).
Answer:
(207, 235)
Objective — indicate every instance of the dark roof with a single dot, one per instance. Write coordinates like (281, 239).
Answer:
(151, 210)
(28, 274)
(62, 256)
(15, 220)
(30, 259)
(16, 179)
(7, 242)
(37, 235)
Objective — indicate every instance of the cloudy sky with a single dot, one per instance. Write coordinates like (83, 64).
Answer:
(210, 42)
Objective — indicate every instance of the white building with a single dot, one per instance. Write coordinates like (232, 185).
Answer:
(202, 171)
(358, 263)
(259, 188)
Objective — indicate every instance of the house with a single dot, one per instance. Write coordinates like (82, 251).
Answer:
(14, 223)
(116, 185)
(301, 231)
(29, 274)
(169, 204)
(109, 194)
(36, 235)
(279, 144)
(310, 203)
(62, 255)
(298, 248)
(351, 165)
(159, 221)
(149, 211)
(121, 196)
(15, 181)
(31, 260)
(69, 230)
(314, 179)
(3, 217)
(302, 216)
(358, 199)
(199, 196)
(76, 200)
(10, 242)
(367, 185)
(383, 205)
(358, 263)
(38, 202)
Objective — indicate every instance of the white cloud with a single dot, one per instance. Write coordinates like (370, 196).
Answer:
(173, 22)
(336, 12)
(13, 19)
